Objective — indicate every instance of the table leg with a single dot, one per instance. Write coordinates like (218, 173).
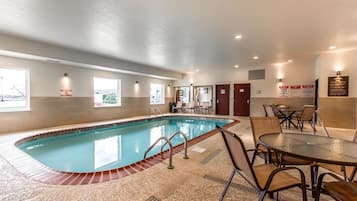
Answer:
(314, 171)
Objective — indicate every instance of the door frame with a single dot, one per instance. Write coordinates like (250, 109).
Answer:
(228, 94)
(234, 97)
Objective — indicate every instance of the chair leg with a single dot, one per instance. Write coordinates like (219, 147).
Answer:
(262, 195)
(302, 125)
(228, 184)
(303, 191)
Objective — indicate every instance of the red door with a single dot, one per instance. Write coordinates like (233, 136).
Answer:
(222, 99)
(241, 99)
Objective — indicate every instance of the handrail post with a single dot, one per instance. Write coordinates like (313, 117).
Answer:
(184, 145)
(170, 166)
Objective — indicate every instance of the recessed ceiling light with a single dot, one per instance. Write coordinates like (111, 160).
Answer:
(238, 37)
(290, 61)
(255, 57)
(236, 66)
(332, 47)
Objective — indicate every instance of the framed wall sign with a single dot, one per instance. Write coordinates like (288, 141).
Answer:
(338, 86)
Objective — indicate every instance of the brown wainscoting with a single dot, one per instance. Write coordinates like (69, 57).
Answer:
(256, 104)
(338, 112)
(57, 111)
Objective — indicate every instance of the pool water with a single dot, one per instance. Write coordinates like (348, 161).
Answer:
(112, 147)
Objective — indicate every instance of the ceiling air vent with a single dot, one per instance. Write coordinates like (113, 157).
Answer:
(256, 74)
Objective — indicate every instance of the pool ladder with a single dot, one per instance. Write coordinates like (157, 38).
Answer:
(168, 141)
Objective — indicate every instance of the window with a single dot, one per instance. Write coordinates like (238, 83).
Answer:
(14, 90)
(182, 94)
(106, 92)
(157, 95)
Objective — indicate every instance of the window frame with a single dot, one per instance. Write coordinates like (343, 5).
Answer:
(119, 102)
(27, 92)
(162, 92)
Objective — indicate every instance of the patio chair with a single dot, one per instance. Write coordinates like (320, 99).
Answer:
(268, 109)
(191, 106)
(339, 190)
(178, 106)
(265, 125)
(265, 178)
(306, 115)
(278, 113)
(205, 107)
(347, 172)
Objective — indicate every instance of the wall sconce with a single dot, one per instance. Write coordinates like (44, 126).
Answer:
(338, 73)
(65, 74)
(169, 84)
(191, 84)
(136, 82)
(280, 80)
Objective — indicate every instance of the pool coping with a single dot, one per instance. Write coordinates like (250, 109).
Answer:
(33, 169)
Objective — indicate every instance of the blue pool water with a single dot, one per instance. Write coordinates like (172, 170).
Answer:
(112, 147)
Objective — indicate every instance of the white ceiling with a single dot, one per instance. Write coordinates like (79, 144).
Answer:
(184, 35)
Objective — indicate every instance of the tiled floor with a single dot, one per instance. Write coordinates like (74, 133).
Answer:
(202, 177)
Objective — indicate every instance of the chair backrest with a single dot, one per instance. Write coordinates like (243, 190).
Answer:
(308, 112)
(269, 112)
(238, 155)
(191, 104)
(205, 104)
(264, 125)
(179, 104)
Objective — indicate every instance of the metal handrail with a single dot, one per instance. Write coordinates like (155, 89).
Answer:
(170, 166)
(184, 145)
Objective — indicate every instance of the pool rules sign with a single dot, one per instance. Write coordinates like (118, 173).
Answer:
(338, 86)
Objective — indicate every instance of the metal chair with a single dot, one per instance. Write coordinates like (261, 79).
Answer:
(191, 106)
(306, 115)
(265, 125)
(268, 109)
(339, 190)
(178, 106)
(265, 178)
(348, 172)
(205, 107)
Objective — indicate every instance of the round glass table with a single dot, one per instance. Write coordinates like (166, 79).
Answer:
(312, 147)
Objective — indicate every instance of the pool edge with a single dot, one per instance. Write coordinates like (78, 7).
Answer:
(35, 170)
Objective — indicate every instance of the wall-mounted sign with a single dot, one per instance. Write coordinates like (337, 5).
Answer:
(338, 86)
(284, 90)
(66, 92)
(308, 90)
(295, 90)
(241, 90)
(223, 91)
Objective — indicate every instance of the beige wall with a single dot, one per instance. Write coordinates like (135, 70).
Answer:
(338, 112)
(56, 111)
(47, 108)
(256, 106)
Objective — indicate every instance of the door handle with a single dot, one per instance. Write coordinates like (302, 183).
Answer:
(248, 101)
(217, 100)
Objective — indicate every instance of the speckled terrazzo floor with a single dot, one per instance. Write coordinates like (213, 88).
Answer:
(201, 177)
